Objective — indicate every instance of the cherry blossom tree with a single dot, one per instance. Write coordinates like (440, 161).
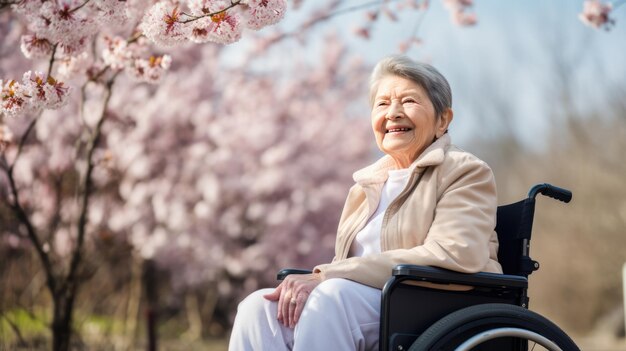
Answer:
(93, 42)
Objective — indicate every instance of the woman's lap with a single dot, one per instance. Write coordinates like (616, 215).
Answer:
(339, 312)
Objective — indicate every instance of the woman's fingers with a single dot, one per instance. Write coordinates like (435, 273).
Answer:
(283, 308)
(300, 302)
(283, 302)
(293, 304)
(292, 295)
(279, 293)
(274, 295)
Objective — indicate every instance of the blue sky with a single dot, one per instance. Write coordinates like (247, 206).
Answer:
(502, 71)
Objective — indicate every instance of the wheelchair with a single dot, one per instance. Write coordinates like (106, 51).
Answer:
(419, 313)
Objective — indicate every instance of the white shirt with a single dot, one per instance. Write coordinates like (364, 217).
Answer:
(367, 241)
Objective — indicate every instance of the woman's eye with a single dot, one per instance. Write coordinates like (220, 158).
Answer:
(408, 101)
(381, 103)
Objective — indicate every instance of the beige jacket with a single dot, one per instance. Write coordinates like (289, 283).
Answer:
(445, 217)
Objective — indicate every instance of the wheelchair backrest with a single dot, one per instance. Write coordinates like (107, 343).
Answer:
(514, 226)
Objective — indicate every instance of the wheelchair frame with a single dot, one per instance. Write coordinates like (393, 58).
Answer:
(423, 308)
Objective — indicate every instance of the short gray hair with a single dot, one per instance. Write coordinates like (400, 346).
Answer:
(423, 74)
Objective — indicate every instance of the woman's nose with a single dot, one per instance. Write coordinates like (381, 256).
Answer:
(394, 112)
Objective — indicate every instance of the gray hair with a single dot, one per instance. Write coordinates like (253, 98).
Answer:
(423, 74)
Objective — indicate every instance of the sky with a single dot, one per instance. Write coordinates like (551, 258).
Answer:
(502, 70)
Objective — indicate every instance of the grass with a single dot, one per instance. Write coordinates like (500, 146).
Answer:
(98, 333)
(29, 326)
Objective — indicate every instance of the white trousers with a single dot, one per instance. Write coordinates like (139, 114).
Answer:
(339, 315)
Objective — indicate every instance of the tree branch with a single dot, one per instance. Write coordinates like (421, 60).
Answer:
(56, 218)
(79, 6)
(51, 62)
(86, 185)
(32, 234)
(323, 18)
(195, 18)
(20, 146)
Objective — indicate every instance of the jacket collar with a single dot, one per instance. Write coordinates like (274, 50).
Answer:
(378, 171)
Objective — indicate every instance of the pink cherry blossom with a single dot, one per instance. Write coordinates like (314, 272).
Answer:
(464, 19)
(60, 24)
(201, 30)
(596, 14)
(116, 53)
(225, 26)
(389, 14)
(149, 70)
(265, 12)
(15, 98)
(199, 7)
(109, 12)
(45, 91)
(34, 47)
(161, 24)
(371, 15)
(36, 91)
(362, 32)
(75, 66)
(458, 12)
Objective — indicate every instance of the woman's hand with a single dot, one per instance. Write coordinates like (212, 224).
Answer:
(291, 295)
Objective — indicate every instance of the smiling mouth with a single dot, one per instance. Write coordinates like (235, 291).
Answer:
(397, 130)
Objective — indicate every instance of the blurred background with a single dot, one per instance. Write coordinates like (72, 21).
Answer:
(238, 162)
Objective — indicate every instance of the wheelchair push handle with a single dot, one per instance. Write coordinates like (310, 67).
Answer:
(551, 191)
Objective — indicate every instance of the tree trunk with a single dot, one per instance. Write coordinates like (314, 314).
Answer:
(132, 307)
(150, 287)
(63, 304)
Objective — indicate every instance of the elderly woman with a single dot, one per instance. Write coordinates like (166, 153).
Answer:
(426, 202)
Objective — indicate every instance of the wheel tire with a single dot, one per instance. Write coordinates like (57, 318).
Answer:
(453, 329)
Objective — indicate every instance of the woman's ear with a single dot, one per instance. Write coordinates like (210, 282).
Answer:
(444, 122)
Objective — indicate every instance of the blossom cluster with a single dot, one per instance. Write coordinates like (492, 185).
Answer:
(167, 23)
(68, 24)
(36, 91)
(459, 12)
(208, 198)
(596, 14)
(63, 29)
(118, 54)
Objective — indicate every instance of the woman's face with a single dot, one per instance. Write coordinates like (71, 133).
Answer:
(404, 121)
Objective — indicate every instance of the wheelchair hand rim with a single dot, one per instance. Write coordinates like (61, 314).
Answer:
(507, 332)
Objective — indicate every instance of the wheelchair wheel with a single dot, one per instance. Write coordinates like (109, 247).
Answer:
(493, 327)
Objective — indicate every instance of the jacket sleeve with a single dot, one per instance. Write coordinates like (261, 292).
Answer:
(458, 239)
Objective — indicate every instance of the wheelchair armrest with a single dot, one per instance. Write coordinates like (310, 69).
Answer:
(444, 276)
(287, 271)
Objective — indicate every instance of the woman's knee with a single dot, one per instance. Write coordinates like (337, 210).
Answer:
(254, 304)
(336, 288)
(341, 294)
(330, 292)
